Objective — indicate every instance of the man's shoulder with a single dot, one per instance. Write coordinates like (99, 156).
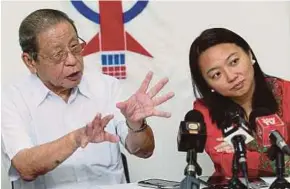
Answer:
(18, 93)
(24, 83)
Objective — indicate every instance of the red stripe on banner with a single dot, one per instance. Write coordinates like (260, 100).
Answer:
(118, 72)
(111, 24)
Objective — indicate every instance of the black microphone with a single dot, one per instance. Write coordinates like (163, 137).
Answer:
(276, 138)
(192, 132)
(191, 138)
(236, 132)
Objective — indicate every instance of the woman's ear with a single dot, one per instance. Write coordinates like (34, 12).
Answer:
(29, 62)
(251, 57)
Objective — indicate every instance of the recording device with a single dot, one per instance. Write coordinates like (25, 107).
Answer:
(236, 132)
(191, 139)
(272, 131)
(159, 183)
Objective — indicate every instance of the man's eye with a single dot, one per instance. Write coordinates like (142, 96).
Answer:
(74, 45)
(76, 49)
(58, 55)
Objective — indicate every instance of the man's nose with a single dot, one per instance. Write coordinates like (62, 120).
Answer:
(71, 59)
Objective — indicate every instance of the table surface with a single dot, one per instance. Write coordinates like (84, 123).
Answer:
(135, 185)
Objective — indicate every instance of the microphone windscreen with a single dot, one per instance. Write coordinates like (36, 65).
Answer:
(194, 116)
(192, 132)
(258, 112)
(232, 115)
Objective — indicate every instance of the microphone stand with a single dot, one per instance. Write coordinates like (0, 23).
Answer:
(235, 182)
(280, 182)
(190, 181)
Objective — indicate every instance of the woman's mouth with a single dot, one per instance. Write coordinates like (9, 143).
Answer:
(238, 86)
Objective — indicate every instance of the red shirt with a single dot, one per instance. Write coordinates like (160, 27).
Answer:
(258, 163)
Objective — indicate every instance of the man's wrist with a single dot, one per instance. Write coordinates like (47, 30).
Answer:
(141, 128)
(73, 137)
(77, 137)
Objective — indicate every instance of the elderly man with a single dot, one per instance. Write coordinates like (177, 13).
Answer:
(60, 127)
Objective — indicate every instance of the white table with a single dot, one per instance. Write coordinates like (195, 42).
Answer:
(135, 186)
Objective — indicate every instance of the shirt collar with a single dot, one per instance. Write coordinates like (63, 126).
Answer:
(84, 88)
(41, 91)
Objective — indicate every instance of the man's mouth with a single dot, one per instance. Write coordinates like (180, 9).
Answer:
(74, 76)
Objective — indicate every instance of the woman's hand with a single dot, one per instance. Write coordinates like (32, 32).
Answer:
(224, 147)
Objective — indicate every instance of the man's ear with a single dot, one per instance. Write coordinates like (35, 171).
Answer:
(29, 62)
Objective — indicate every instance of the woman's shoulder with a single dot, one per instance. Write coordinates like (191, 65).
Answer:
(278, 85)
(277, 80)
(199, 103)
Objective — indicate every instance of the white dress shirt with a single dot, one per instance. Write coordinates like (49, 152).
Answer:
(34, 115)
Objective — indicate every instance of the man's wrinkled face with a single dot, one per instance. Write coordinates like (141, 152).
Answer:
(59, 62)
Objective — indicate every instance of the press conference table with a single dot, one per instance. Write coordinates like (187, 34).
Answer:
(135, 185)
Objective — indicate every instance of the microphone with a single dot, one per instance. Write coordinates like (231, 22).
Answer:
(191, 138)
(192, 132)
(270, 129)
(236, 132)
(236, 125)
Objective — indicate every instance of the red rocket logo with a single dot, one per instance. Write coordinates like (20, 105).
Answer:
(112, 40)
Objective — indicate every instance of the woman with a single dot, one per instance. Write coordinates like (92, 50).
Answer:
(225, 72)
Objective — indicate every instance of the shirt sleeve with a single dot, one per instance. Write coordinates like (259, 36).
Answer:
(14, 135)
(223, 161)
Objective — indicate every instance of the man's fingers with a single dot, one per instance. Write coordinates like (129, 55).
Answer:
(161, 114)
(121, 105)
(144, 86)
(105, 120)
(111, 138)
(97, 121)
(154, 90)
(159, 100)
(96, 125)
(89, 130)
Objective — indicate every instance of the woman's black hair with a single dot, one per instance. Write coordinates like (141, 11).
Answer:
(216, 103)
